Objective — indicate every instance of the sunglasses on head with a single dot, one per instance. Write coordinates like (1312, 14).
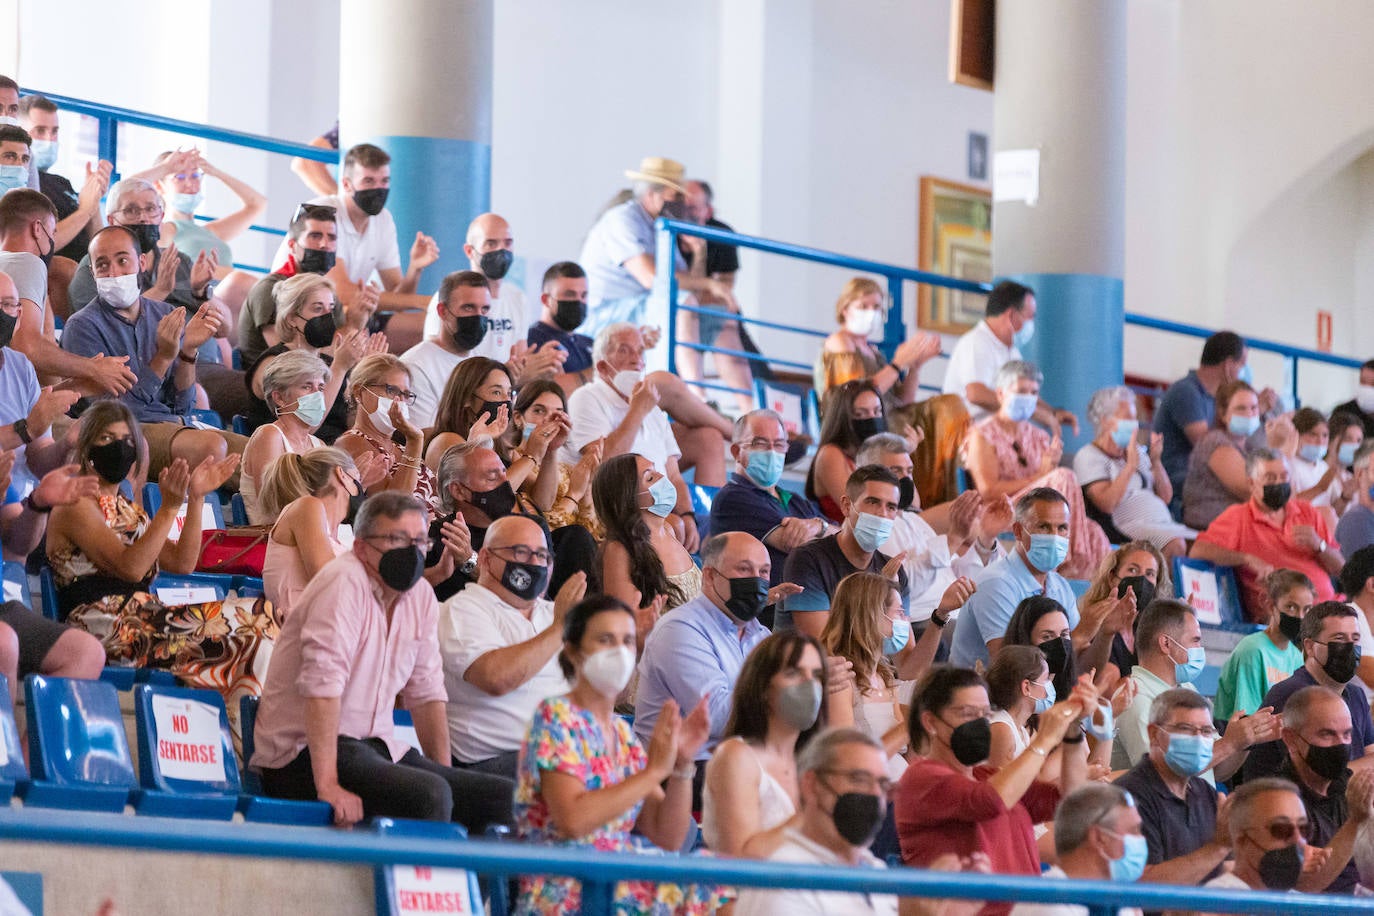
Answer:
(314, 211)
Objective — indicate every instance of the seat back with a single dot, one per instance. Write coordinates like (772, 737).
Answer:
(207, 418)
(47, 593)
(239, 424)
(796, 405)
(12, 767)
(238, 512)
(211, 512)
(184, 742)
(1212, 592)
(248, 720)
(17, 583)
(76, 733)
(403, 889)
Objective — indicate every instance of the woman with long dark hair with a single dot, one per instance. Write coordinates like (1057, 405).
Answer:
(850, 414)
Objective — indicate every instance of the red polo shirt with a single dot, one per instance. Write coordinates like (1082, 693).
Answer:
(1248, 529)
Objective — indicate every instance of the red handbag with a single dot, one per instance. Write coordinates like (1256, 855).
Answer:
(234, 551)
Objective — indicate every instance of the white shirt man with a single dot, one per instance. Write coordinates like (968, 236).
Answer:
(467, 301)
(499, 639)
(488, 249)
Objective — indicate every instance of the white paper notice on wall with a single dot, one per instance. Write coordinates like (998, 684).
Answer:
(431, 890)
(189, 742)
(1016, 175)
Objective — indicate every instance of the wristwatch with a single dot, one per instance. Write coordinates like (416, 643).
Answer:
(21, 429)
(469, 566)
(1322, 547)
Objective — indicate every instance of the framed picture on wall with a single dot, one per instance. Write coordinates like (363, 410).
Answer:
(955, 240)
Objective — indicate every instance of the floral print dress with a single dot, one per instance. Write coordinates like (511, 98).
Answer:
(565, 738)
(218, 645)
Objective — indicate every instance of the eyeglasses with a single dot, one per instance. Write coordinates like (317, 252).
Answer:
(9, 306)
(862, 780)
(396, 394)
(132, 212)
(400, 540)
(188, 176)
(522, 554)
(766, 445)
(1196, 731)
(1284, 831)
(314, 211)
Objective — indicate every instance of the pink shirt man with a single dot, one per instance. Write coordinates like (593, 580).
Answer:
(335, 643)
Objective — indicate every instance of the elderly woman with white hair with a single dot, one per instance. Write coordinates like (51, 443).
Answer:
(306, 322)
(294, 389)
(1008, 455)
(1117, 472)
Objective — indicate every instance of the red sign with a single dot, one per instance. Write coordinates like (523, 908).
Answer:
(1324, 331)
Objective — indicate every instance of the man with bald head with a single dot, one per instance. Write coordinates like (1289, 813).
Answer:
(499, 638)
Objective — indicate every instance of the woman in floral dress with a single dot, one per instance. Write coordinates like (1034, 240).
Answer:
(105, 552)
(585, 781)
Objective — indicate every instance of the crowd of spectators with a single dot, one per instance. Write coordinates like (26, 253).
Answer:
(483, 510)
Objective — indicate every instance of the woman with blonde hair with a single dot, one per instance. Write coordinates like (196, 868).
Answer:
(1141, 567)
(849, 352)
(379, 389)
(294, 388)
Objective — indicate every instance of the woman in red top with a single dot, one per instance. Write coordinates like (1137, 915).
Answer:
(947, 803)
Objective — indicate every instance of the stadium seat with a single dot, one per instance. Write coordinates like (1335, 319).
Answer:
(128, 678)
(208, 417)
(240, 425)
(236, 360)
(13, 773)
(209, 787)
(152, 501)
(1212, 592)
(702, 497)
(238, 512)
(47, 594)
(77, 748)
(406, 888)
(17, 583)
(256, 806)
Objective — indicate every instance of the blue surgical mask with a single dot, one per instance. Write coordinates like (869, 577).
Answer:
(1022, 337)
(1043, 704)
(1186, 672)
(872, 531)
(13, 176)
(664, 495)
(1021, 407)
(186, 203)
(1188, 755)
(1245, 375)
(1311, 452)
(1099, 724)
(901, 635)
(1135, 855)
(1242, 426)
(1345, 455)
(44, 153)
(311, 409)
(526, 430)
(1047, 551)
(765, 468)
(1124, 433)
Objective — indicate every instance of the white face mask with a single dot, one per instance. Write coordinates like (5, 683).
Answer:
(381, 417)
(861, 322)
(121, 292)
(1364, 396)
(609, 670)
(625, 381)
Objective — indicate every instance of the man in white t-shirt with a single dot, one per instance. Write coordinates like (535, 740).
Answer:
(1008, 325)
(622, 407)
(1097, 838)
(465, 301)
(844, 785)
(500, 639)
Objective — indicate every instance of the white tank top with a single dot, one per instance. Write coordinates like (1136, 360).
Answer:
(775, 805)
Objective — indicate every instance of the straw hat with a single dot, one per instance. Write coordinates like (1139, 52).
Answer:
(660, 171)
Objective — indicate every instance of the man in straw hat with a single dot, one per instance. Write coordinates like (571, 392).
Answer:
(618, 256)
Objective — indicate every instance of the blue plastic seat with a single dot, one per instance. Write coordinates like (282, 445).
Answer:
(127, 678)
(13, 773)
(392, 881)
(211, 797)
(239, 424)
(236, 359)
(77, 748)
(17, 583)
(238, 512)
(1212, 593)
(152, 501)
(208, 417)
(47, 594)
(255, 806)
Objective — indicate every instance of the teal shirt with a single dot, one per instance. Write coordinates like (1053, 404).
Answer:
(1255, 665)
(192, 238)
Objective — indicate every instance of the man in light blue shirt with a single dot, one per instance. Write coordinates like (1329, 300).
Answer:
(696, 650)
(1042, 543)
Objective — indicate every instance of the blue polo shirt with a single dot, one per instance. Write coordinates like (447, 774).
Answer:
(622, 232)
(1185, 401)
(577, 346)
(985, 617)
(742, 505)
(98, 328)
(818, 567)
(1268, 759)
(693, 651)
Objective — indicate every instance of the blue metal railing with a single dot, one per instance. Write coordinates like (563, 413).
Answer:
(600, 871)
(895, 328)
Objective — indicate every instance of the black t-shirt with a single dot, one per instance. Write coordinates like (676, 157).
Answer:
(720, 258)
(66, 201)
(1353, 408)
(459, 580)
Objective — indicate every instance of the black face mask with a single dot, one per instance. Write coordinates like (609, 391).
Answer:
(52, 250)
(495, 503)
(1280, 868)
(491, 408)
(401, 567)
(524, 580)
(1328, 762)
(569, 314)
(468, 331)
(906, 493)
(869, 426)
(1342, 658)
(1290, 627)
(748, 596)
(7, 323)
(371, 200)
(1144, 590)
(114, 460)
(971, 743)
(319, 331)
(495, 264)
(147, 235)
(857, 817)
(315, 261)
(1276, 495)
(674, 209)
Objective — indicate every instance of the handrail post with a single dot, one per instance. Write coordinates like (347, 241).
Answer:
(107, 144)
(665, 276)
(596, 897)
(1293, 381)
(894, 329)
